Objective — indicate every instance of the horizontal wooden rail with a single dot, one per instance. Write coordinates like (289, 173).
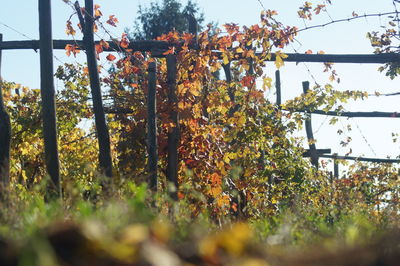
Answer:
(113, 110)
(343, 58)
(117, 110)
(350, 114)
(361, 159)
(158, 47)
(141, 46)
(307, 153)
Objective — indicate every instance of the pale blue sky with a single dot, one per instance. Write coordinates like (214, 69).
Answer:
(23, 66)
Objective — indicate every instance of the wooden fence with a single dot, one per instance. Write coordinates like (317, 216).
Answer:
(315, 153)
(157, 49)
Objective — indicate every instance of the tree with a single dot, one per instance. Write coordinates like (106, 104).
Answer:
(160, 19)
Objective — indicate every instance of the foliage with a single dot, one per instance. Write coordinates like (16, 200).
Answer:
(388, 42)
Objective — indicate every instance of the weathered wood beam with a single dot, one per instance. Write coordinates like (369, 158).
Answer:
(375, 114)
(341, 58)
(173, 134)
(141, 46)
(152, 147)
(307, 153)
(103, 135)
(47, 92)
(309, 131)
(5, 138)
(335, 167)
(278, 89)
(361, 159)
(158, 47)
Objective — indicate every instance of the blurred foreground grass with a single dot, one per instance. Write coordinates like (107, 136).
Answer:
(130, 226)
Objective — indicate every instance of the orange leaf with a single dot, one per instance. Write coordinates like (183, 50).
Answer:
(112, 20)
(70, 30)
(234, 207)
(104, 44)
(170, 51)
(124, 41)
(99, 48)
(111, 57)
(97, 12)
(248, 81)
(318, 9)
(215, 179)
(74, 49)
(181, 195)
(231, 28)
(135, 70)
(95, 28)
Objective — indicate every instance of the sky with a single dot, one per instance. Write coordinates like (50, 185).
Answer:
(371, 137)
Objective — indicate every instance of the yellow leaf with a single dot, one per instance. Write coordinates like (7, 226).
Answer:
(226, 158)
(241, 120)
(278, 61)
(216, 191)
(239, 50)
(267, 83)
(225, 59)
(195, 92)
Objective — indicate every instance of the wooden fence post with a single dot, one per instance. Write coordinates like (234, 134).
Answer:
(228, 78)
(335, 167)
(310, 136)
(173, 135)
(48, 96)
(278, 88)
(99, 115)
(5, 136)
(152, 125)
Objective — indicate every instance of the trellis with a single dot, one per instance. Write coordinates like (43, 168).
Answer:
(157, 49)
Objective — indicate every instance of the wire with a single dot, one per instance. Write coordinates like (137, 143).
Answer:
(15, 30)
(320, 126)
(347, 20)
(262, 5)
(364, 138)
(27, 37)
